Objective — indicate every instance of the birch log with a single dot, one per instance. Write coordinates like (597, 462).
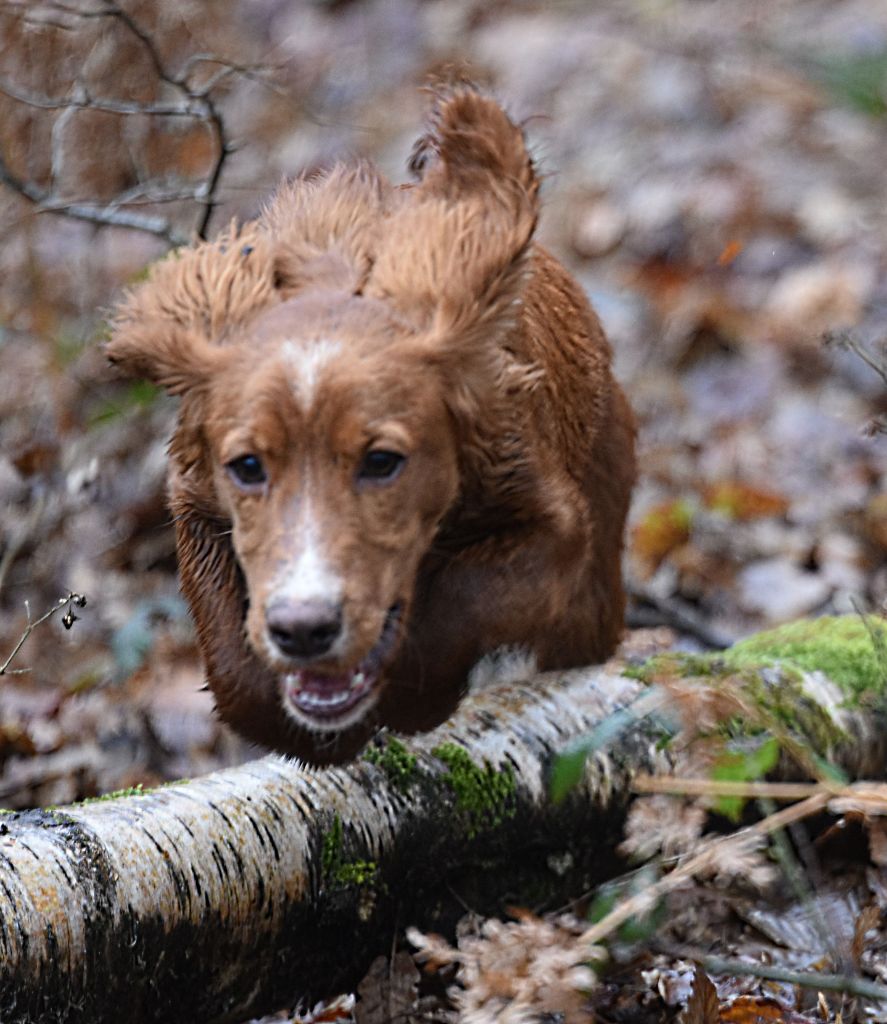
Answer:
(258, 887)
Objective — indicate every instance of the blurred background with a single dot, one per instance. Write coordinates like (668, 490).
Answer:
(714, 176)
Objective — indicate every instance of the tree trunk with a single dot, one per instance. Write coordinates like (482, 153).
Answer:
(260, 886)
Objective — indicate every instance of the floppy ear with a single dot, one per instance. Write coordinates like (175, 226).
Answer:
(176, 358)
(453, 256)
(325, 229)
(170, 328)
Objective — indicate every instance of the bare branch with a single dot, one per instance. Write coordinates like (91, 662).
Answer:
(159, 190)
(47, 202)
(82, 100)
(650, 610)
(217, 127)
(805, 979)
(254, 72)
(847, 340)
(46, 15)
(195, 102)
(114, 10)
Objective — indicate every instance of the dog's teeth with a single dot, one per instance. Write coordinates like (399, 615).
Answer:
(357, 679)
(320, 702)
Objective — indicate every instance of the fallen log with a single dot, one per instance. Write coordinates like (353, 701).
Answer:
(253, 888)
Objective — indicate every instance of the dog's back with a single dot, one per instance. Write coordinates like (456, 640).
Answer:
(528, 562)
(400, 447)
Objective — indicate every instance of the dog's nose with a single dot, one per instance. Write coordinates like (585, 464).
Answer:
(303, 629)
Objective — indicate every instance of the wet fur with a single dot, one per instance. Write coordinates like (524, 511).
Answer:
(510, 528)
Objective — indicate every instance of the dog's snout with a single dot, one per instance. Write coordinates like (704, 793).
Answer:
(304, 629)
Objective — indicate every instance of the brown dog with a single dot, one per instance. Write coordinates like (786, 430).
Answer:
(400, 447)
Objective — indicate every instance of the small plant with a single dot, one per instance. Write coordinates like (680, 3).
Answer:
(69, 603)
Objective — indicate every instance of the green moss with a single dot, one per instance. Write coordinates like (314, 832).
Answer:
(396, 761)
(136, 790)
(779, 694)
(850, 650)
(59, 817)
(356, 872)
(768, 671)
(331, 850)
(676, 663)
(842, 648)
(337, 872)
(484, 796)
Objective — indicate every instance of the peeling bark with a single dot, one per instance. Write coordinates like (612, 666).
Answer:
(253, 888)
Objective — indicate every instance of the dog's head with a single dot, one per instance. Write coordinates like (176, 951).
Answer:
(338, 360)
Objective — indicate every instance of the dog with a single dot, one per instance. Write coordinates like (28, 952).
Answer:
(400, 448)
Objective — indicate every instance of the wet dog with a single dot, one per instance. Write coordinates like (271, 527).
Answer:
(400, 449)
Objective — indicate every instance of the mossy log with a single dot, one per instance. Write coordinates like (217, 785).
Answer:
(257, 887)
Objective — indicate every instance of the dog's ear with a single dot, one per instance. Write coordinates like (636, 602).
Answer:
(170, 329)
(325, 229)
(453, 256)
(176, 358)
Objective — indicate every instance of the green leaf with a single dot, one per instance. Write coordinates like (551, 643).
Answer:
(568, 766)
(743, 766)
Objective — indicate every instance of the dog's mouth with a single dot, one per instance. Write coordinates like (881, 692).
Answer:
(329, 701)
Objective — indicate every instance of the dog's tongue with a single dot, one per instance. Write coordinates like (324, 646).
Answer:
(325, 686)
(321, 695)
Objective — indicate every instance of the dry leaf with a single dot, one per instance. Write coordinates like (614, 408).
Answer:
(704, 706)
(662, 823)
(743, 501)
(516, 970)
(388, 991)
(327, 1013)
(729, 253)
(759, 1010)
(867, 920)
(702, 1006)
(664, 527)
(744, 858)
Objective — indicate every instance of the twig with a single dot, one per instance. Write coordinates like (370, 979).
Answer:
(642, 901)
(195, 102)
(210, 113)
(825, 982)
(114, 10)
(678, 616)
(47, 202)
(725, 787)
(82, 100)
(846, 339)
(71, 599)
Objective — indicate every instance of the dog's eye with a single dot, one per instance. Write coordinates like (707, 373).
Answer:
(247, 470)
(380, 465)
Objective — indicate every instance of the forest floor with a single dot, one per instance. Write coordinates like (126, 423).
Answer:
(714, 176)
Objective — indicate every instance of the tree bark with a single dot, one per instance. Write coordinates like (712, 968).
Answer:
(258, 887)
